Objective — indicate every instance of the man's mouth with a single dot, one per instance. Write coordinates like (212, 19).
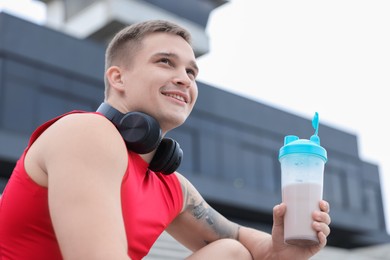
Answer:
(176, 96)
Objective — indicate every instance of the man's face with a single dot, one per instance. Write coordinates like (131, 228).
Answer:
(161, 80)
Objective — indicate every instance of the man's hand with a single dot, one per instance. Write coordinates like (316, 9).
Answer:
(321, 221)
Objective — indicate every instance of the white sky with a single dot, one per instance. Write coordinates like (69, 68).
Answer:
(31, 10)
(330, 57)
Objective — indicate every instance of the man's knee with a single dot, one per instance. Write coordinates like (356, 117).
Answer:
(222, 249)
(236, 249)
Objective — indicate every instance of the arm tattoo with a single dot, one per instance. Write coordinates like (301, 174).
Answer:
(221, 227)
(199, 212)
(216, 224)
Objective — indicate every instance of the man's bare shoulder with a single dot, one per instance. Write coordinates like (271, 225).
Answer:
(73, 142)
(88, 126)
(86, 130)
(83, 120)
(81, 135)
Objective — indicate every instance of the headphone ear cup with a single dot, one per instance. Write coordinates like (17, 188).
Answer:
(140, 131)
(167, 157)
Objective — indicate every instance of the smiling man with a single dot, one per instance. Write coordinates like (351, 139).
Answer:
(104, 185)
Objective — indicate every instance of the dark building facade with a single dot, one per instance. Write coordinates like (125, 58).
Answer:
(230, 143)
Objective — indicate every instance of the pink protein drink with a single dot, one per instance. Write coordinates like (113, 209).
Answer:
(301, 198)
(302, 166)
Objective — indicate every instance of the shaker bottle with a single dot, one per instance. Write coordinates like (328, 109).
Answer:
(302, 166)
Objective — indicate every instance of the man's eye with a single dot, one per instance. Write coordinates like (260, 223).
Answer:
(191, 72)
(166, 61)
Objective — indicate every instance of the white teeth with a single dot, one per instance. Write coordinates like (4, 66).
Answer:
(175, 96)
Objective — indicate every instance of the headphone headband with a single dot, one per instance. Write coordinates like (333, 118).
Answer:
(111, 113)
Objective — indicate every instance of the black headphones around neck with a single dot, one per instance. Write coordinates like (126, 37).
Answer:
(142, 134)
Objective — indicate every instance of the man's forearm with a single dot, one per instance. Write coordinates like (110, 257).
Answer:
(257, 242)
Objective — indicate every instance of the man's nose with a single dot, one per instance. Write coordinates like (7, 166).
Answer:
(182, 79)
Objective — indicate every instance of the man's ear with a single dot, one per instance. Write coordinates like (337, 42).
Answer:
(114, 77)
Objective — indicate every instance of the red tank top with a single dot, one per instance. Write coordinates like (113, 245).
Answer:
(150, 201)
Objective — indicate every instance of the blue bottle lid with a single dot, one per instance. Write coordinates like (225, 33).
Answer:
(293, 145)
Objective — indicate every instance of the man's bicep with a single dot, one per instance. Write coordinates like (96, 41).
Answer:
(199, 224)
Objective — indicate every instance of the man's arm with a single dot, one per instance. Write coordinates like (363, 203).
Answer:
(199, 224)
(85, 161)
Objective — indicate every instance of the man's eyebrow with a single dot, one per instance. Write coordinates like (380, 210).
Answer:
(175, 56)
